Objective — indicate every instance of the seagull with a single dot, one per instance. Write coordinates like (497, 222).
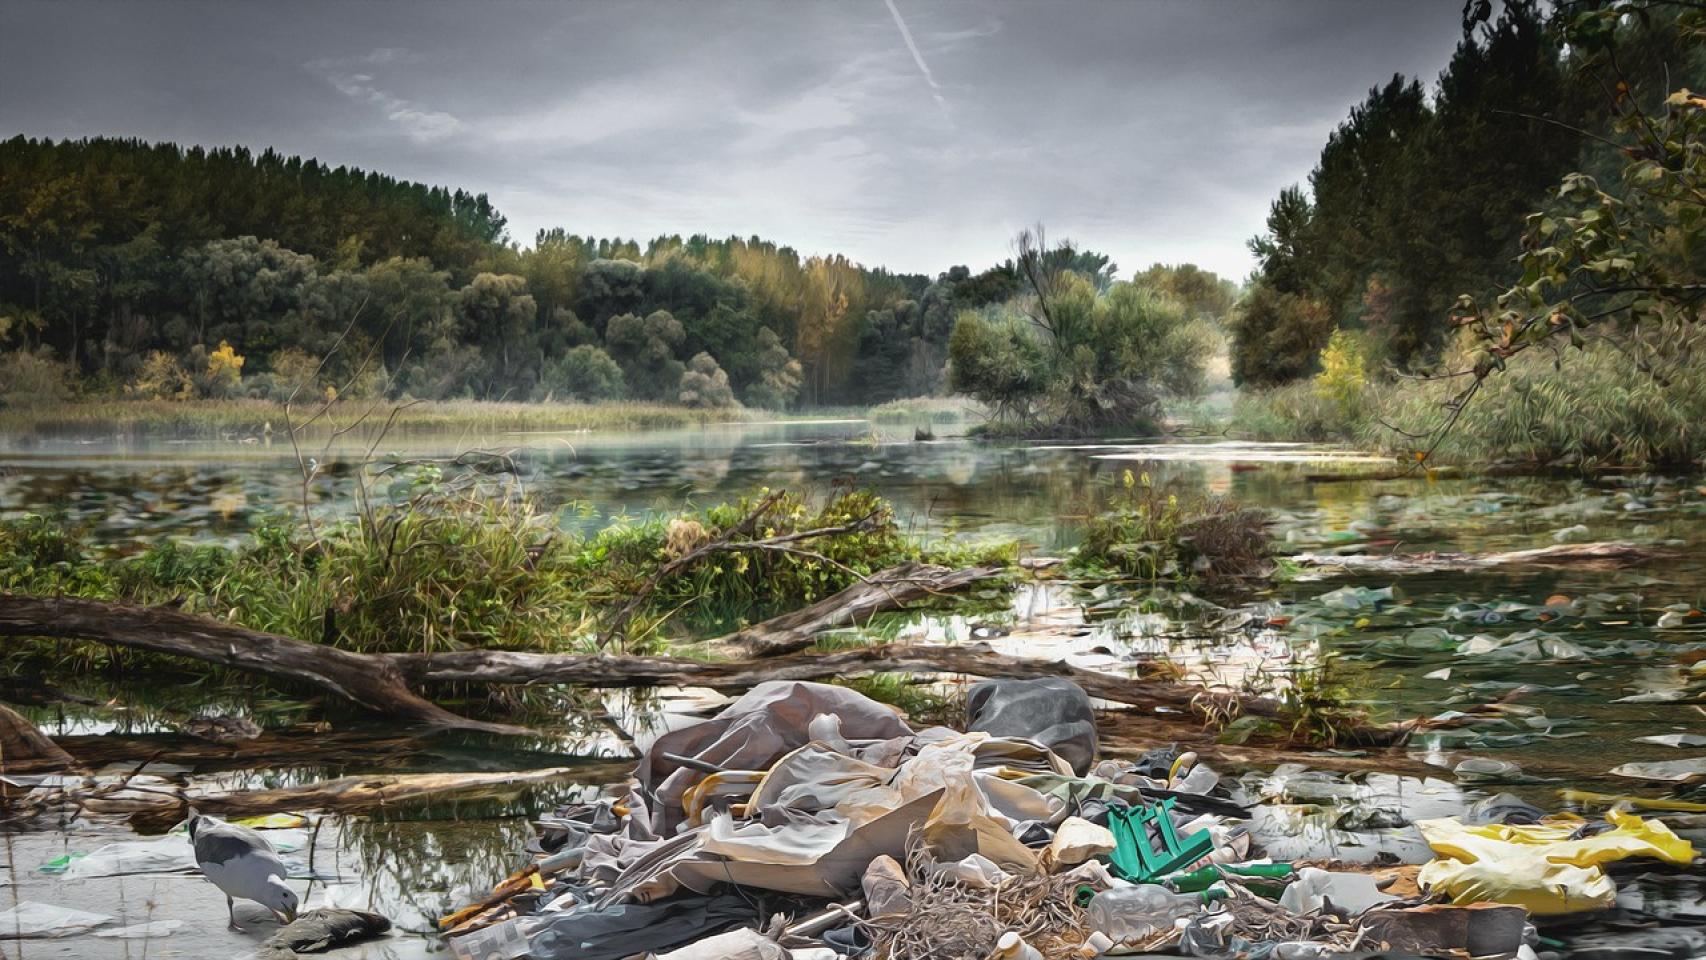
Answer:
(241, 863)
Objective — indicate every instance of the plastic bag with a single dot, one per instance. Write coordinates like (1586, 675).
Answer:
(1664, 771)
(169, 854)
(976, 871)
(1633, 837)
(1052, 711)
(32, 919)
(1351, 892)
(1539, 866)
(1543, 887)
(151, 930)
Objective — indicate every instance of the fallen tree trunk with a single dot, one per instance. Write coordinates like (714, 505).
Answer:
(1589, 555)
(368, 682)
(373, 684)
(882, 592)
(381, 682)
(24, 749)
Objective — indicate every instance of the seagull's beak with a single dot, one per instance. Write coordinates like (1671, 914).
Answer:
(287, 916)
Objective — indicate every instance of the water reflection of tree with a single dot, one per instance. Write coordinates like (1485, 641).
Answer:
(416, 870)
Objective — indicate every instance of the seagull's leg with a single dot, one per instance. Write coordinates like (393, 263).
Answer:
(231, 911)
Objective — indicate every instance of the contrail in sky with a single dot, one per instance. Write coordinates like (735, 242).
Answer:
(918, 58)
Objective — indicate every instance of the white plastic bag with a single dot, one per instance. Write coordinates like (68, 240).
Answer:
(44, 920)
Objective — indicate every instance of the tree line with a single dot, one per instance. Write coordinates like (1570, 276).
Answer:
(163, 271)
(1422, 195)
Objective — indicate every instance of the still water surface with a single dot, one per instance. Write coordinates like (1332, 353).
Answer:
(1599, 668)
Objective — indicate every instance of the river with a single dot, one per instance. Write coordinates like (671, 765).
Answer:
(1614, 657)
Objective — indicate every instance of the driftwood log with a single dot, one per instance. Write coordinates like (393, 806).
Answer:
(386, 679)
(368, 682)
(24, 749)
(374, 683)
(1609, 554)
(882, 592)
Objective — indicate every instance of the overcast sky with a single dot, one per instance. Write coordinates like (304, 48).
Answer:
(904, 133)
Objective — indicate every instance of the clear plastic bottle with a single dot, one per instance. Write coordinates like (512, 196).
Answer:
(1128, 914)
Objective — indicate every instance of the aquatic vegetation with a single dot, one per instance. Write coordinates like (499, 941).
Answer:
(445, 570)
(1319, 703)
(42, 555)
(1153, 534)
(740, 586)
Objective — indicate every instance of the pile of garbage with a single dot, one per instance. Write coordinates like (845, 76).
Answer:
(807, 821)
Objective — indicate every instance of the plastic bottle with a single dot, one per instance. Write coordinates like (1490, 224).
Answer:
(1133, 913)
(1011, 946)
(1198, 880)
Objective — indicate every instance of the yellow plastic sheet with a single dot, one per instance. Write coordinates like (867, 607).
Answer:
(1539, 866)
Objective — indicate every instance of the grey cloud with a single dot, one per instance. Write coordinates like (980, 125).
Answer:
(1153, 130)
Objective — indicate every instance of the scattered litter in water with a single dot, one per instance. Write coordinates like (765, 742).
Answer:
(1664, 771)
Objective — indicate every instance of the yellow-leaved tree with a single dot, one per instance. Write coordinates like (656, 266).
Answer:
(1344, 372)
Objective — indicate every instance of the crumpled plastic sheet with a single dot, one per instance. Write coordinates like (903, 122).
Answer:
(1051, 711)
(31, 919)
(766, 722)
(887, 890)
(734, 945)
(847, 819)
(1523, 647)
(1663, 771)
(844, 794)
(1539, 866)
(171, 854)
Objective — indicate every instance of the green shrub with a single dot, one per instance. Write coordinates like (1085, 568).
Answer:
(33, 379)
(728, 589)
(1152, 534)
(583, 373)
(43, 556)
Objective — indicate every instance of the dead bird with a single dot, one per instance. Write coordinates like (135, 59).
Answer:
(323, 929)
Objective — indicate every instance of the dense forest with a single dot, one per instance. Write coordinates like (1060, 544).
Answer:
(162, 271)
(1421, 195)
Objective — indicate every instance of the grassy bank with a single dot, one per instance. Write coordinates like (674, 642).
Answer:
(922, 410)
(1592, 410)
(254, 418)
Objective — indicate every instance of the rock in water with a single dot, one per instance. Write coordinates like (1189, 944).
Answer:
(320, 930)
